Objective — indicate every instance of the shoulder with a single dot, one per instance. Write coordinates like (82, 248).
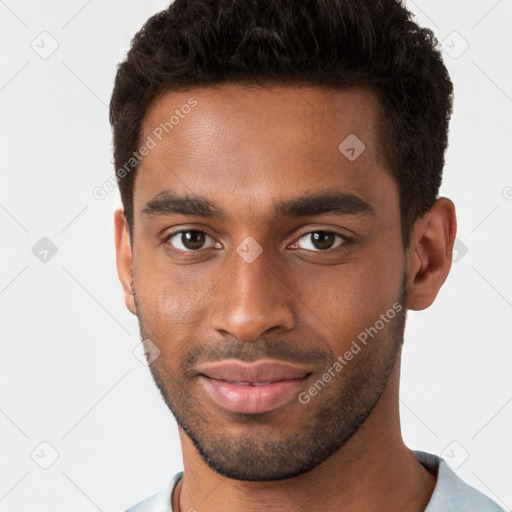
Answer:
(159, 502)
(451, 493)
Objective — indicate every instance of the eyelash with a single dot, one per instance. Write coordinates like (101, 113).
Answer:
(345, 241)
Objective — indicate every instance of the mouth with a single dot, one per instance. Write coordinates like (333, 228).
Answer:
(252, 388)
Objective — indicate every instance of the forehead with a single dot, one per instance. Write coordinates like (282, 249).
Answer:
(240, 144)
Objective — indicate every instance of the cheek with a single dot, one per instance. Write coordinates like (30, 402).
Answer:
(169, 300)
(343, 301)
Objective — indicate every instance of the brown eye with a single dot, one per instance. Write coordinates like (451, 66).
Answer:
(323, 240)
(191, 240)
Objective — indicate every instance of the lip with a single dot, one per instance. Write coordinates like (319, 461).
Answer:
(252, 388)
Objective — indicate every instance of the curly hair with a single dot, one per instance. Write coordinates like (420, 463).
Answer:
(332, 43)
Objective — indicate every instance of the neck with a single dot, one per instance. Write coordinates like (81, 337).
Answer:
(373, 468)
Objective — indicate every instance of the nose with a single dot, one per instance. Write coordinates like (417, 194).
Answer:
(252, 298)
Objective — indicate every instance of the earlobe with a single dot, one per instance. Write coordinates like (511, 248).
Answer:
(124, 258)
(429, 256)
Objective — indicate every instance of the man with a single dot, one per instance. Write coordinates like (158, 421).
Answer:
(279, 165)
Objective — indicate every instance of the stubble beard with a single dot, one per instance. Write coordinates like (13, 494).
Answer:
(264, 451)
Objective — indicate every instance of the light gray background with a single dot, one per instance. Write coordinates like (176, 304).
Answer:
(68, 374)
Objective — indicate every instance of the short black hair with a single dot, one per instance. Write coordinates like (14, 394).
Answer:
(332, 43)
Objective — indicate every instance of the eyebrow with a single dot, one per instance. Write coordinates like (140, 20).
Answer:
(326, 203)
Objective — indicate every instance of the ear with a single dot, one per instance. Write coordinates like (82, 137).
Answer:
(124, 257)
(429, 256)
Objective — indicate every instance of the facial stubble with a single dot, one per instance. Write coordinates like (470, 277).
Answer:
(261, 449)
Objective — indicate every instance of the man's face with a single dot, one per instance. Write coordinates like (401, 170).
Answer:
(244, 280)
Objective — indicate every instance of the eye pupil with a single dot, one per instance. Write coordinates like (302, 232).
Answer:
(322, 239)
(192, 239)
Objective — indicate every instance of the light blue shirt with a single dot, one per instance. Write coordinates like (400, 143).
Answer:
(451, 494)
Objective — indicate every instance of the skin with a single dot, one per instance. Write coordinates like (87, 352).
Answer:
(244, 149)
